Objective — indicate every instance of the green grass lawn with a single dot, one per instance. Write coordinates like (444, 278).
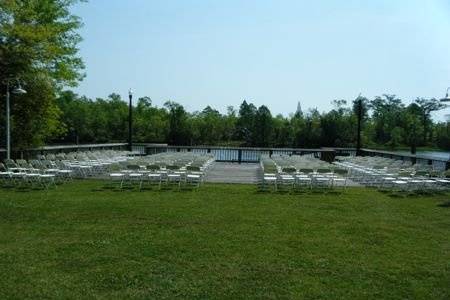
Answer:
(222, 241)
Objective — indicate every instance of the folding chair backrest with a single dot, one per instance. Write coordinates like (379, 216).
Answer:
(133, 167)
(9, 163)
(404, 174)
(306, 170)
(289, 170)
(21, 162)
(193, 168)
(378, 167)
(153, 167)
(422, 173)
(342, 172)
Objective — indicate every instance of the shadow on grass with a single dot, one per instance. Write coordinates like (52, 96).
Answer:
(156, 189)
(445, 204)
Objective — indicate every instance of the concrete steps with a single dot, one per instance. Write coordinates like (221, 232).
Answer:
(221, 172)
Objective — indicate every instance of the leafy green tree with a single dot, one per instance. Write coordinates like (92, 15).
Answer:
(38, 43)
(263, 132)
(443, 135)
(75, 114)
(413, 129)
(245, 123)
(396, 137)
(385, 116)
(150, 122)
(426, 107)
(179, 132)
(283, 132)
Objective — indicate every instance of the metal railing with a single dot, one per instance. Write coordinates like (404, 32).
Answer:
(32, 153)
(232, 154)
(240, 154)
(438, 164)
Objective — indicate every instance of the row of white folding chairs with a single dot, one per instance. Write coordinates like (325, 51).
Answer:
(311, 179)
(28, 176)
(407, 179)
(159, 177)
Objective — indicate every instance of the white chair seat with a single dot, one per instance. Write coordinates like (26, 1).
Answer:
(47, 176)
(65, 171)
(116, 175)
(193, 176)
(270, 175)
(154, 175)
(400, 182)
(437, 180)
(416, 181)
(303, 178)
(32, 175)
(428, 181)
(339, 179)
(135, 175)
(321, 179)
(17, 174)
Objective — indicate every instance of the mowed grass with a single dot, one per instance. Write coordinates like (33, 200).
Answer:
(222, 241)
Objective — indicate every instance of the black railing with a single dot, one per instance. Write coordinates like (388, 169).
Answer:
(242, 154)
(438, 164)
(232, 154)
(32, 153)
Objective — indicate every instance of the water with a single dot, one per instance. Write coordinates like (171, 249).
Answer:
(430, 154)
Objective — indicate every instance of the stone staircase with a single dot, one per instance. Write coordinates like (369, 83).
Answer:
(225, 172)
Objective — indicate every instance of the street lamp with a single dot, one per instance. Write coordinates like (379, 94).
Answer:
(18, 90)
(447, 98)
(359, 119)
(130, 120)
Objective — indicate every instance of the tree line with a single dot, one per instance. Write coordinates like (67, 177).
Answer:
(386, 122)
(39, 47)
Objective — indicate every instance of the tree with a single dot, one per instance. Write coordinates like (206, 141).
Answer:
(178, 133)
(150, 122)
(426, 107)
(245, 123)
(75, 116)
(38, 43)
(263, 127)
(385, 116)
(282, 132)
(412, 126)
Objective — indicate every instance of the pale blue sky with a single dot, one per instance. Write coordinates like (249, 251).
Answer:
(201, 52)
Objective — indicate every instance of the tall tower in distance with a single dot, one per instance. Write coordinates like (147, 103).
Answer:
(299, 112)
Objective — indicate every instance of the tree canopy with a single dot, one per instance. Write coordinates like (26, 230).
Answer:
(38, 45)
(387, 123)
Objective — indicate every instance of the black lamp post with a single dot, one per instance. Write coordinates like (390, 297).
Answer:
(359, 116)
(446, 99)
(130, 120)
(18, 91)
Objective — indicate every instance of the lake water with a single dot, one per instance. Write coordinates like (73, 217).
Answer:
(431, 154)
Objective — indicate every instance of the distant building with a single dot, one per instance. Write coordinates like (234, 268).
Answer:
(299, 111)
